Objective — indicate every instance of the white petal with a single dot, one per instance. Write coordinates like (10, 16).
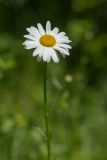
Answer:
(30, 44)
(61, 50)
(64, 45)
(41, 30)
(48, 27)
(39, 51)
(55, 31)
(45, 54)
(65, 37)
(39, 58)
(36, 52)
(54, 56)
(63, 54)
(49, 58)
(33, 31)
(60, 34)
(30, 37)
(63, 41)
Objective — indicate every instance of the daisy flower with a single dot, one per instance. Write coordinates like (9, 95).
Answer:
(47, 43)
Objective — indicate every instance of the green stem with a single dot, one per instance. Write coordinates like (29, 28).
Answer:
(46, 115)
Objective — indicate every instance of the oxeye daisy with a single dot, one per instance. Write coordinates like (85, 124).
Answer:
(47, 43)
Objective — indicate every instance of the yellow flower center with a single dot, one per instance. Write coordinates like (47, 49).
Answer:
(47, 40)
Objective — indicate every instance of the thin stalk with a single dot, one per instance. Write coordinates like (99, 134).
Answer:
(46, 114)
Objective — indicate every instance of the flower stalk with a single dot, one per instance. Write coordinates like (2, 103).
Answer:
(46, 114)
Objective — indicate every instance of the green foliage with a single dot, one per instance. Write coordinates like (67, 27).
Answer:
(77, 86)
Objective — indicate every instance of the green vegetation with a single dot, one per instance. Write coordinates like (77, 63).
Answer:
(77, 86)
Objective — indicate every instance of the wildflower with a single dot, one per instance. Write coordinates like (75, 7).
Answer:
(47, 43)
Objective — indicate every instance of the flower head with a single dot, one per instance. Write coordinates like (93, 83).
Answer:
(47, 42)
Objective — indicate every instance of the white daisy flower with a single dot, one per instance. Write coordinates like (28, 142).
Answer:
(47, 42)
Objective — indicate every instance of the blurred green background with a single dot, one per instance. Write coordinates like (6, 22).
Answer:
(77, 86)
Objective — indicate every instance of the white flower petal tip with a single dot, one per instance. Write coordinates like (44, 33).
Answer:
(47, 43)
(48, 27)
(40, 28)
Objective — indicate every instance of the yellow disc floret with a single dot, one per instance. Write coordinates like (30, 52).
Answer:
(47, 40)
